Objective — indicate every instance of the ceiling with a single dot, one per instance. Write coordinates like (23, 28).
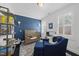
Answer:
(32, 9)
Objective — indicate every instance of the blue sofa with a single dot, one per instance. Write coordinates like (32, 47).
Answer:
(38, 49)
(46, 49)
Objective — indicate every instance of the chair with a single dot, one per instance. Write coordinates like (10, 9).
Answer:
(58, 49)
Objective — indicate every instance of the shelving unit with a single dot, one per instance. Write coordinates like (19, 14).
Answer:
(6, 32)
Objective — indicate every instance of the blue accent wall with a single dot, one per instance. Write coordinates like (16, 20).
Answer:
(26, 23)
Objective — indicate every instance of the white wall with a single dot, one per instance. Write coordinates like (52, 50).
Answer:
(73, 43)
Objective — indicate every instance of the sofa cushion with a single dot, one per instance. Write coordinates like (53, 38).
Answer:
(38, 49)
(39, 44)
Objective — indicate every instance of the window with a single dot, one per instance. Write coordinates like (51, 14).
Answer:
(65, 24)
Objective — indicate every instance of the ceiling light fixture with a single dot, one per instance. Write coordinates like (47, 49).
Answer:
(40, 3)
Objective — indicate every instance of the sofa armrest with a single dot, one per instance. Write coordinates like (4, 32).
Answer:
(46, 40)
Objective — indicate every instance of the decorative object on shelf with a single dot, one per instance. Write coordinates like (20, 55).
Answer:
(4, 21)
(50, 25)
(3, 25)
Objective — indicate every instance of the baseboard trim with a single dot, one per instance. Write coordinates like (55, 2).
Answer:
(72, 53)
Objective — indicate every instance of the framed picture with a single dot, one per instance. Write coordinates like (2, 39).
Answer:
(50, 25)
